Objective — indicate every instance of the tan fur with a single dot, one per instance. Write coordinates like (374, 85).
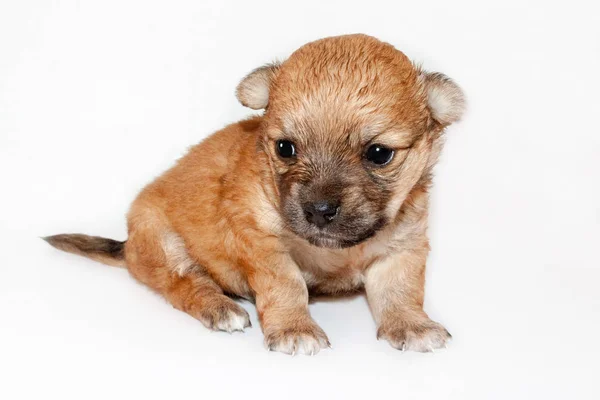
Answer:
(225, 219)
(106, 251)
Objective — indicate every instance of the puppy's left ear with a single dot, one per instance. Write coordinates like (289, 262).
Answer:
(253, 90)
(445, 99)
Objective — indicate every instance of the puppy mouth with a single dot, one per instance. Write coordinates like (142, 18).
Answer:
(329, 242)
(326, 240)
(348, 230)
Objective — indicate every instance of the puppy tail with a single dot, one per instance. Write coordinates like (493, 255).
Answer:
(106, 251)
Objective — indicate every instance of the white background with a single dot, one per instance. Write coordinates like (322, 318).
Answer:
(98, 97)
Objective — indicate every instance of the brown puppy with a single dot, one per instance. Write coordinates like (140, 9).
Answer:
(326, 192)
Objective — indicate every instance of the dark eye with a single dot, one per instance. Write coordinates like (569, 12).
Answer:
(379, 155)
(286, 149)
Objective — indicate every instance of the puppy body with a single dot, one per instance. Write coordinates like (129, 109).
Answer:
(231, 219)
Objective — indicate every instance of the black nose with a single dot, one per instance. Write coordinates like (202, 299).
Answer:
(321, 213)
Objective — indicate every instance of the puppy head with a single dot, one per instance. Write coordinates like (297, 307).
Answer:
(350, 126)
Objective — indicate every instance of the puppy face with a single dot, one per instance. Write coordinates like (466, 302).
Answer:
(350, 127)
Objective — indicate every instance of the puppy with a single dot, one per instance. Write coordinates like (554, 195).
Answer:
(326, 192)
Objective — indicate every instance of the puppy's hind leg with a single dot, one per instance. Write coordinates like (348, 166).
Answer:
(157, 257)
(198, 295)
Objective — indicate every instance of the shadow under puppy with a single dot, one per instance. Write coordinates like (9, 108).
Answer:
(326, 192)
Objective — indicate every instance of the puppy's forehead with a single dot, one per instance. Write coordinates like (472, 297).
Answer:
(348, 83)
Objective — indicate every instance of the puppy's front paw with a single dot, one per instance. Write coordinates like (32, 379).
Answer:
(304, 338)
(223, 314)
(423, 335)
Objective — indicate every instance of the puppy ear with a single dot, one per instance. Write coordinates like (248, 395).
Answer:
(253, 90)
(445, 98)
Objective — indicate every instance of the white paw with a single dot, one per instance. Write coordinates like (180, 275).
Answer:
(233, 322)
(224, 314)
(307, 340)
(423, 336)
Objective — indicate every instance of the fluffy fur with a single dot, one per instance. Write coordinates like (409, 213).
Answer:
(229, 217)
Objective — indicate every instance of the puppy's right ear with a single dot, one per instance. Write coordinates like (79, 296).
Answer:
(253, 90)
(445, 98)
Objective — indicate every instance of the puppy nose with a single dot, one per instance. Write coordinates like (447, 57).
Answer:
(321, 213)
